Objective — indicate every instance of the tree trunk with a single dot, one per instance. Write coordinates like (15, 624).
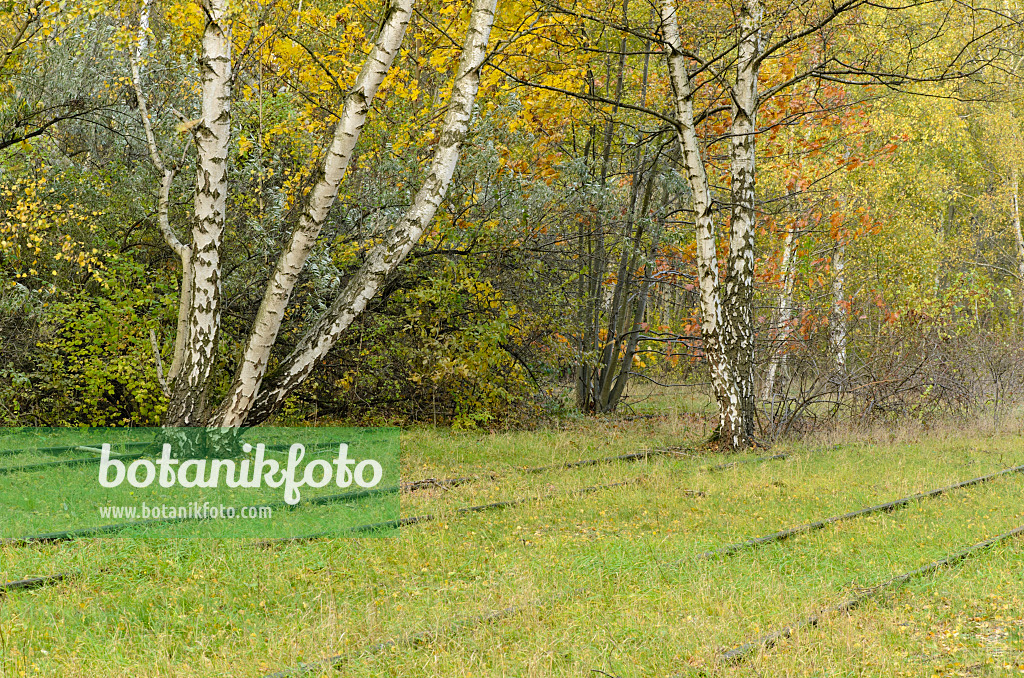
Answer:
(183, 251)
(1020, 242)
(783, 316)
(723, 374)
(738, 304)
(642, 297)
(629, 297)
(212, 133)
(382, 260)
(838, 324)
(318, 203)
(589, 371)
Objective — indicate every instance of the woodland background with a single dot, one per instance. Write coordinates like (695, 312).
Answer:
(889, 262)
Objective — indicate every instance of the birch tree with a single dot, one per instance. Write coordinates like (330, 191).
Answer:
(254, 395)
(211, 133)
(727, 319)
(726, 299)
(739, 281)
(837, 324)
(1018, 236)
(783, 316)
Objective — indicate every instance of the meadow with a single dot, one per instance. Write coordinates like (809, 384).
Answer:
(608, 581)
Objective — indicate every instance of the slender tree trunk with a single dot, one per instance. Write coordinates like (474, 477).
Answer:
(184, 311)
(583, 290)
(723, 377)
(318, 203)
(590, 372)
(642, 294)
(382, 260)
(629, 297)
(599, 260)
(184, 252)
(738, 303)
(1020, 241)
(142, 46)
(640, 304)
(622, 294)
(723, 371)
(212, 133)
(783, 316)
(838, 324)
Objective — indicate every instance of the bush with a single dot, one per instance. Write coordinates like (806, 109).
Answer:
(86, 357)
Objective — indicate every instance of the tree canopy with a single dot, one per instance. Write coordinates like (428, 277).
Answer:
(223, 212)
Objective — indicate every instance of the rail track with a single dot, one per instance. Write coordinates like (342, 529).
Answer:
(735, 654)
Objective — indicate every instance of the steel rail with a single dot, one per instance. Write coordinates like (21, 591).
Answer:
(886, 507)
(413, 638)
(742, 652)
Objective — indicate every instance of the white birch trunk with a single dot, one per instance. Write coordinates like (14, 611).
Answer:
(784, 316)
(184, 311)
(212, 135)
(1020, 241)
(319, 200)
(143, 44)
(838, 324)
(183, 251)
(722, 375)
(384, 258)
(168, 173)
(739, 281)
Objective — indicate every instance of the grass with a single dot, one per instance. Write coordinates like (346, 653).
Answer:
(606, 581)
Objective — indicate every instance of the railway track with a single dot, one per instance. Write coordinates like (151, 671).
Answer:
(413, 638)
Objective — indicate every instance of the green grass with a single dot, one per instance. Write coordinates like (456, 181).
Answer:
(606, 581)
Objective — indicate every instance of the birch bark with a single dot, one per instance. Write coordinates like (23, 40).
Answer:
(1019, 238)
(723, 378)
(784, 316)
(739, 282)
(319, 200)
(838, 324)
(212, 133)
(384, 258)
